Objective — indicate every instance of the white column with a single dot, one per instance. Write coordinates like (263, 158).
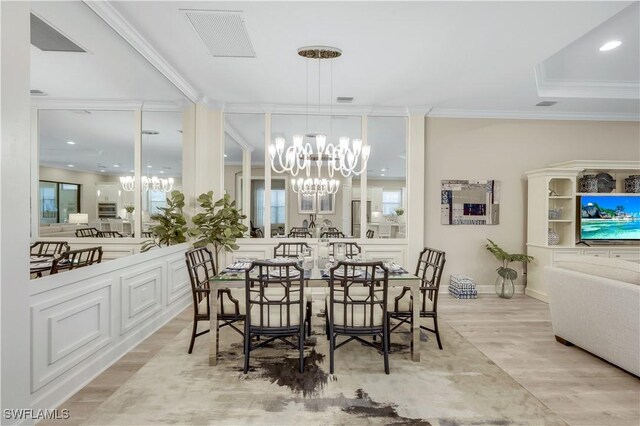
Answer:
(415, 183)
(188, 160)
(137, 172)
(246, 194)
(364, 225)
(267, 176)
(14, 207)
(209, 150)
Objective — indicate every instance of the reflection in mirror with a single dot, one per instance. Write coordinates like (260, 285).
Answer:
(386, 179)
(85, 149)
(161, 161)
(82, 155)
(244, 137)
(317, 213)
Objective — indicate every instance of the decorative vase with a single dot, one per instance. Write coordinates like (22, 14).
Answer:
(505, 287)
(632, 184)
(553, 238)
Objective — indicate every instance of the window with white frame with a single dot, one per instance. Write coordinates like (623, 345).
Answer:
(391, 200)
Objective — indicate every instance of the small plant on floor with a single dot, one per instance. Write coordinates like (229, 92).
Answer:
(171, 225)
(506, 275)
(219, 224)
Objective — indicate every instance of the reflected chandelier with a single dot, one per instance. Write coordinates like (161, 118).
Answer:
(349, 157)
(315, 186)
(154, 183)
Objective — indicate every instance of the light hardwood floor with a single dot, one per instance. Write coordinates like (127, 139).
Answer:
(515, 334)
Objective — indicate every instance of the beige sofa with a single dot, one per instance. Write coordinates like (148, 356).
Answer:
(595, 305)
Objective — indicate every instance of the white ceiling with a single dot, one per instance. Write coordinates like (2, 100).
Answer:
(476, 56)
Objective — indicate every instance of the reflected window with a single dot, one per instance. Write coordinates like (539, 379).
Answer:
(391, 200)
(57, 201)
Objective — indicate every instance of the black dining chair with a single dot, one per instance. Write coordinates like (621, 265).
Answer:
(352, 250)
(370, 233)
(275, 307)
(74, 259)
(109, 234)
(357, 306)
(292, 250)
(48, 248)
(429, 271)
(231, 304)
(299, 234)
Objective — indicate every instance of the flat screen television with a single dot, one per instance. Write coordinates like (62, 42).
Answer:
(609, 218)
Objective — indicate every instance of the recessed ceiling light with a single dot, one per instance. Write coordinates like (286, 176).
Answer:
(131, 171)
(70, 165)
(102, 171)
(71, 143)
(116, 165)
(381, 174)
(149, 166)
(161, 171)
(610, 45)
(383, 170)
(225, 156)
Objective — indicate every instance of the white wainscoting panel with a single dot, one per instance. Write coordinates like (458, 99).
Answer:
(141, 296)
(178, 280)
(65, 331)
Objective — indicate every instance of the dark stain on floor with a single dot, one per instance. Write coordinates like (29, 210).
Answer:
(285, 372)
(364, 406)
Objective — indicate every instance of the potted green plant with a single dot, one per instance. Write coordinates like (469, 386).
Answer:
(504, 283)
(129, 210)
(171, 225)
(219, 224)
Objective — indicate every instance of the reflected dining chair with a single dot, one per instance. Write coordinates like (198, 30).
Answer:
(86, 232)
(332, 234)
(110, 234)
(357, 306)
(74, 259)
(231, 305)
(48, 248)
(292, 250)
(429, 271)
(275, 307)
(352, 250)
(299, 234)
(370, 233)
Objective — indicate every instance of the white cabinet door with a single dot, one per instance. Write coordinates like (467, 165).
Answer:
(375, 195)
(597, 253)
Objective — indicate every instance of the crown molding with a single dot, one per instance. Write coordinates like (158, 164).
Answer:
(120, 25)
(211, 103)
(419, 110)
(532, 115)
(106, 105)
(232, 108)
(558, 88)
(236, 137)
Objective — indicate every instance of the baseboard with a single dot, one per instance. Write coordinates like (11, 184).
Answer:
(536, 295)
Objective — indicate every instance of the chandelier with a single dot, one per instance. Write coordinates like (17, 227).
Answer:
(154, 183)
(315, 186)
(349, 157)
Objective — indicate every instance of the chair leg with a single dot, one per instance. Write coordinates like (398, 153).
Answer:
(435, 327)
(385, 344)
(332, 344)
(193, 335)
(308, 319)
(247, 347)
(301, 348)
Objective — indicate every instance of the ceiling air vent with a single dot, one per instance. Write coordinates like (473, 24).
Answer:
(48, 39)
(546, 103)
(344, 99)
(36, 92)
(222, 32)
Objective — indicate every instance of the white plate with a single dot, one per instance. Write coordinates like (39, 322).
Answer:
(276, 273)
(350, 272)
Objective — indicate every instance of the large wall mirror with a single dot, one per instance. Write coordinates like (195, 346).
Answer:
(386, 180)
(106, 119)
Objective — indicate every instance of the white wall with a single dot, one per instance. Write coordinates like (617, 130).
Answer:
(14, 207)
(504, 150)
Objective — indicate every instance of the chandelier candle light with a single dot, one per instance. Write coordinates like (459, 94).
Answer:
(154, 182)
(349, 157)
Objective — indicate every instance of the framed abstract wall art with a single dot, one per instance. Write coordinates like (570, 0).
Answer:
(470, 202)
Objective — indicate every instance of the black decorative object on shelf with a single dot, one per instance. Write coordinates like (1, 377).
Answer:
(632, 184)
(588, 183)
(606, 182)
